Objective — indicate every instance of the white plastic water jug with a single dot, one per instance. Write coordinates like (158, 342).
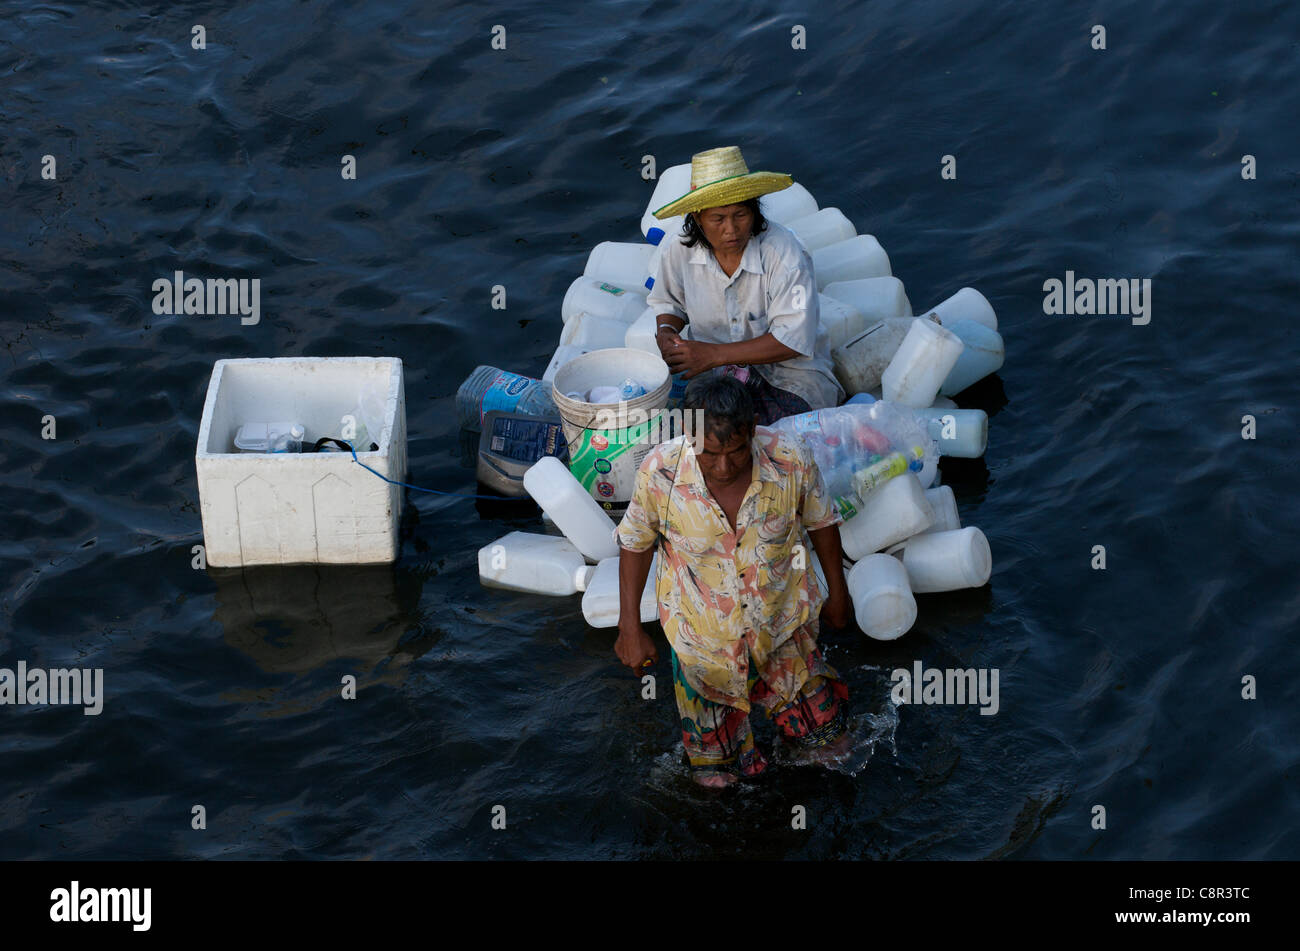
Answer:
(822, 228)
(488, 388)
(890, 513)
(983, 354)
(882, 600)
(964, 436)
(591, 295)
(858, 258)
(966, 304)
(600, 602)
(571, 508)
(593, 333)
(563, 354)
(923, 361)
(653, 267)
(875, 298)
(840, 320)
(861, 360)
(672, 184)
(622, 263)
(944, 506)
(540, 564)
(942, 402)
(789, 204)
(641, 335)
(948, 561)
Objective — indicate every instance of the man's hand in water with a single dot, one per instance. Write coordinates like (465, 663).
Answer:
(634, 647)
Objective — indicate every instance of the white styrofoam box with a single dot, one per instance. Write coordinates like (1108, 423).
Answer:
(300, 508)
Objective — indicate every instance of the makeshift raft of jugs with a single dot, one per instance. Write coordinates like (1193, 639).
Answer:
(901, 533)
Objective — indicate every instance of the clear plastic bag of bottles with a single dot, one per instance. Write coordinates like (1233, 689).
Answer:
(859, 447)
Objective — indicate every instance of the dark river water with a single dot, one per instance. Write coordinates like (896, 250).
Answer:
(1120, 687)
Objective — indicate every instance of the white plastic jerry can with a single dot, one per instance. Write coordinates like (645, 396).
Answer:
(539, 564)
(601, 600)
(572, 508)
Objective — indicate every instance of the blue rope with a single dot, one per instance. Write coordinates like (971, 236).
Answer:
(454, 495)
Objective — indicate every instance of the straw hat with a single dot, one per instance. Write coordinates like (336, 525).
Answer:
(721, 177)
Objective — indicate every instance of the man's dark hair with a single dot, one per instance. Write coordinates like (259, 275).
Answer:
(728, 407)
(693, 234)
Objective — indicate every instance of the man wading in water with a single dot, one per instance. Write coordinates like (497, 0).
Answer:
(738, 597)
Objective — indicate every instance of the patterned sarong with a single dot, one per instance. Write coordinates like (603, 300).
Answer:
(718, 738)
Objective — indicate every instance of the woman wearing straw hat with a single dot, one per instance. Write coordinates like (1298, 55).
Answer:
(744, 287)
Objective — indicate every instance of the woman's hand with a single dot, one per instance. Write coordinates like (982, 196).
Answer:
(691, 357)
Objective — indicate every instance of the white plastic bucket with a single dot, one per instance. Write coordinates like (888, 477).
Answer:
(882, 600)
(875, 298)
(858, 258)
(983, 354)
(923, 361)
(822, 228)
(890, 513)
(571, 508)
(625, 264)
(608, 441)
(966, 304)
(948, 561)
(789, 204)
(591, 295)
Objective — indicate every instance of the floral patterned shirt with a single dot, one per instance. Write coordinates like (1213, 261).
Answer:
(726, 597)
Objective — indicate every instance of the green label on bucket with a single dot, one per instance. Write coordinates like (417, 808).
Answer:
(610, 289)
(596, 452)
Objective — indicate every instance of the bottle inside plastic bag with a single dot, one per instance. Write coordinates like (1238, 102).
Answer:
(858, 447)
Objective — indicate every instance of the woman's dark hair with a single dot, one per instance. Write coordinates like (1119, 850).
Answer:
(693, 234)
(728, 407)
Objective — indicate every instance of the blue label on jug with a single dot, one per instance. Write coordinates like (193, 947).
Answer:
(504, 392)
